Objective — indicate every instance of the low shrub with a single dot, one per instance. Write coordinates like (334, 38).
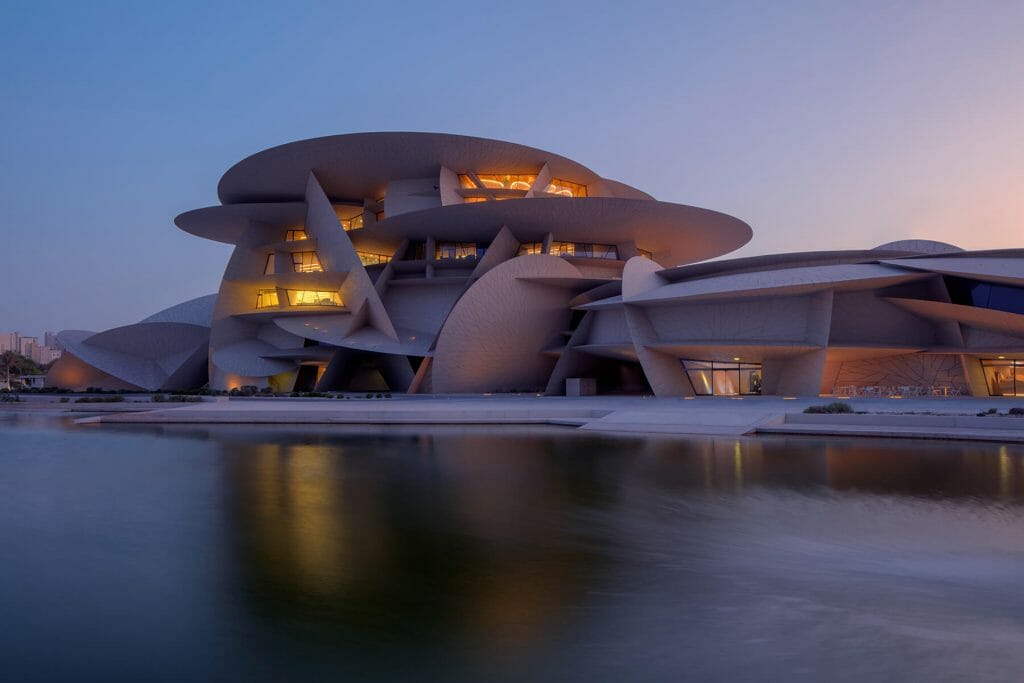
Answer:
(1015, 411)
(64, 399)
(100, 399)
(9, 398)
(831, 408)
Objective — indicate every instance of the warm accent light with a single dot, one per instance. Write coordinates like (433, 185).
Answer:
(370, 259)
(267, 298)
(308, 297)
(295, 235)
(564, 188)
(306, 262)
(736, 358)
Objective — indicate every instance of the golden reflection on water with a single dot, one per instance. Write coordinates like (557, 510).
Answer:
(299, 512)
(471, 547)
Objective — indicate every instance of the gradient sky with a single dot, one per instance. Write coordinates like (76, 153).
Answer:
(822, 125)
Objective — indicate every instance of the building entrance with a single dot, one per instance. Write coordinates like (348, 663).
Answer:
(715, 378)
(1003, 377)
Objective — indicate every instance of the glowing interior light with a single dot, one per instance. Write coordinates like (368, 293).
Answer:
(306, 297)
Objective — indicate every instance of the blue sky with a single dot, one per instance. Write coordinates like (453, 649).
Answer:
(823, 125)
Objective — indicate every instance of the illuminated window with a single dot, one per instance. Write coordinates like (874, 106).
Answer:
(379, 215)
(466, 183)
(266, 298)
(353, 223)
(457, 250)
(1003, 377)
(473, 200)
(712, 378)
(563, 249)
(502, 181)
(564, 188)
(645, 253)
(530, 248)
(293, 235)
(370, 259)
(308, 297)
(585, 250)
(306, 262)
(268, 269)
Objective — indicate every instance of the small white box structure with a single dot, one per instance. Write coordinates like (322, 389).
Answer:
(580, 386)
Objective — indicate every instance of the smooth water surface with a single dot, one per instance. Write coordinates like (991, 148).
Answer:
(233, 553)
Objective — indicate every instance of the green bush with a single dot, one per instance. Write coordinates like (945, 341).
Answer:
(100, 399)
(830, 409)
(1015, 411)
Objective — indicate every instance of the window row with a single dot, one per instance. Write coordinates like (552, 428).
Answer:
(585, 250)
(302, 262)
(268, 298)
(458, 250)
(520, 181)
(370, 259)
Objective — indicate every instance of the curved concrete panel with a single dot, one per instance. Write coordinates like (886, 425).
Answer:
(361, 164)
(1006, 270)
(494, 337)
(249, 358)
(778, 282)
(674, 232)
(228, 223)
(198, 311)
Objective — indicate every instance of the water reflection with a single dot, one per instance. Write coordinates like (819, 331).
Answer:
(513, 554)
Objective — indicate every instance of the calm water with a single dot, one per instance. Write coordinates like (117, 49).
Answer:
(273, 554)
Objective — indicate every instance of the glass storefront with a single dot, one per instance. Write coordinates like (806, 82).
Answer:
(715, 378)
(1003, 377)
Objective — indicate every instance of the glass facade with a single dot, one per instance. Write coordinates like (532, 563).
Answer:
(997, 297)
(306, 262)
(268, 269)
(266, 298)
(370, 259)
(1003, 377)
(645, 253)
(564, 188)
(715, 378)
(353, 223)
(585, 250)
(294, 235)
(506, 181)
(458, 250)
(530, 248)
(307, 297)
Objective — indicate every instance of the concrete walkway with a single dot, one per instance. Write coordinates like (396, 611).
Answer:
(953, 418)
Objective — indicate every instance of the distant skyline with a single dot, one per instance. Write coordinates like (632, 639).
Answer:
(822, 125)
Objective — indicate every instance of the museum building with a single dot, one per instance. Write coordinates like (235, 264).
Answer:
(439, 264)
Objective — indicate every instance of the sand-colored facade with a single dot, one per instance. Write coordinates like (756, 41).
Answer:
(429, 263)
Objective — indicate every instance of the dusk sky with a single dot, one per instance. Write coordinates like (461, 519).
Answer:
(822, 125)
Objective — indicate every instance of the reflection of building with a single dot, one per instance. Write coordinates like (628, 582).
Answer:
(435, 263)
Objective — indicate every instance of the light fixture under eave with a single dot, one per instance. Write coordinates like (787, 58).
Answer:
(736, 358)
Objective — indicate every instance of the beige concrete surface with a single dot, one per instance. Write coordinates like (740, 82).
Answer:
(948, 418)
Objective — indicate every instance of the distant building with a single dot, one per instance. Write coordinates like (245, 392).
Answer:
(33, 381)
(27, 346)
(50, 340)
(9, 341)
(47, 354)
